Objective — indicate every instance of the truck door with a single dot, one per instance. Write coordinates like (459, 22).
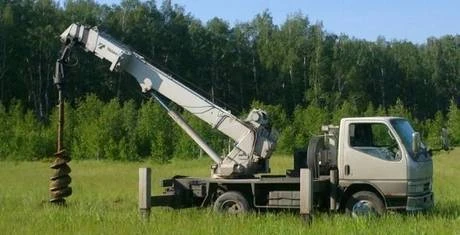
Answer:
(372, 154)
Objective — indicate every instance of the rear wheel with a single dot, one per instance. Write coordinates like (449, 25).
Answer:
(365, 203)
(231, 202)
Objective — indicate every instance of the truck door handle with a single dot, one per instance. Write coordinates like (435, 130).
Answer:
(347, 169)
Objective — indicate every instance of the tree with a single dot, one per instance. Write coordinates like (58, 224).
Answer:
(443, 58)
(6, 26)
(220, 57)
(307, 123)
(40, 25)
(265, 66)
(433, 129)
(453, 123)
(413, 82)
(346, 110)
(316, 93)
(244, 89)
(87, 143)
(86, 12)
(292, 49)
(154, 133)
(399, 110)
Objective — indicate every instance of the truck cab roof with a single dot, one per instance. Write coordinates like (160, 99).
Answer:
(370, 119)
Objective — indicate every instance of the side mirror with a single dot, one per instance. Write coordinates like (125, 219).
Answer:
(415, 142)
(445, 139)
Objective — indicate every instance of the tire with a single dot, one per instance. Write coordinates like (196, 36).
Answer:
(364, 203)
(315, 145)
(231, 202)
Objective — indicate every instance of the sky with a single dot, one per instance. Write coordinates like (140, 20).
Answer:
(411, 20)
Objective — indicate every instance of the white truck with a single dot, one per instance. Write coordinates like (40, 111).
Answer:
(365, 165)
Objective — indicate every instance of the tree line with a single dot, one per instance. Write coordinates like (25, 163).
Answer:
(302, 74)
(116, 130)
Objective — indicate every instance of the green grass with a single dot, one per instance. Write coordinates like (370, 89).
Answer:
(105, 202)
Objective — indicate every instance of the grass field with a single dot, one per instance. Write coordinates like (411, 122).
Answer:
(105, 202)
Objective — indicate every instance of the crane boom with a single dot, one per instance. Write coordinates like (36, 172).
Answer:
(253, 137)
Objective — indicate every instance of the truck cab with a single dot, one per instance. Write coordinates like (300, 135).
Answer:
(382, 165)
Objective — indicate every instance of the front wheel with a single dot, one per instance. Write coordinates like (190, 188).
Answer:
(231, 202)
(364, 203)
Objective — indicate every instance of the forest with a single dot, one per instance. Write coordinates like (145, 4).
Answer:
(303, 75)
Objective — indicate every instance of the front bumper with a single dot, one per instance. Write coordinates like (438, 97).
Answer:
(420, 203)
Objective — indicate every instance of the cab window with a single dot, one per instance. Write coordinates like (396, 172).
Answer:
(374, 139)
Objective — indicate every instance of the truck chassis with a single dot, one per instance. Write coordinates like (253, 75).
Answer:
(261, 192)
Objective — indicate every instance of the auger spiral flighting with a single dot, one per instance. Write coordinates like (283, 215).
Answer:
(60, 180)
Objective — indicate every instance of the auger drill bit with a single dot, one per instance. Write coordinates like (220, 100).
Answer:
(60, 180)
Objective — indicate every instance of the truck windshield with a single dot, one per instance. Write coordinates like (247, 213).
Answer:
(404, 130)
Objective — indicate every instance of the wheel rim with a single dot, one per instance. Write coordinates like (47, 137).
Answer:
(232, 207)
(363, 208)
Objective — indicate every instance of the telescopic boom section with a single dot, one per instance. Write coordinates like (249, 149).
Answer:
(254, 139)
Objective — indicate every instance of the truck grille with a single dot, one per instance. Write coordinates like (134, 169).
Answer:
(426, 187)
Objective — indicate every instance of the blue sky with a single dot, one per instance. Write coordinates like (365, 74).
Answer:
(413, 20)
